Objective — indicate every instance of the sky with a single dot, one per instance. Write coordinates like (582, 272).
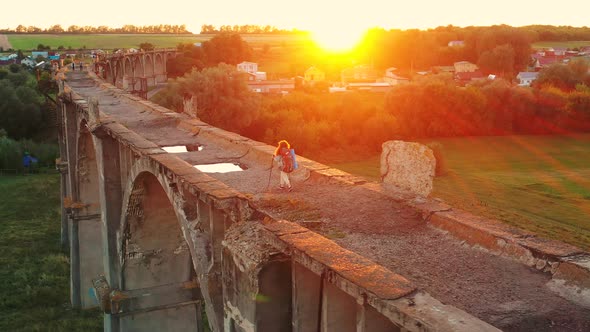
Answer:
(341, 16)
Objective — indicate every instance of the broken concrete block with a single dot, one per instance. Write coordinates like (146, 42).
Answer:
(408, 165)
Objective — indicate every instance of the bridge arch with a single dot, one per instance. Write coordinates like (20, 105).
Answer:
(137, 73)
(128, 76)
(160, 68)
(108, 73)
(119, 74)
(155, 256)
(149, 69)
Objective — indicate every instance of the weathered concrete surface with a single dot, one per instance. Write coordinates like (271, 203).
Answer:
(408, 165)
(393, 230)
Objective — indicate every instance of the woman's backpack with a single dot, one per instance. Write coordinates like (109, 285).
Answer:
(288, 163)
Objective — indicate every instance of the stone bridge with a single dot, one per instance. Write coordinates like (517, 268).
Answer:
(134, 72)
(160, 243)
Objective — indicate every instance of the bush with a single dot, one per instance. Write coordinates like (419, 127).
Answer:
(11, 153)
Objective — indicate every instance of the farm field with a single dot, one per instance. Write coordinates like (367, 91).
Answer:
(113, 41)
(565, 44)
(34, 279)
(537, 183)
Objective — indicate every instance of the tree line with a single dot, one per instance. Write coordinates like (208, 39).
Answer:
(74, 29)
(247, 29)
(502, 50)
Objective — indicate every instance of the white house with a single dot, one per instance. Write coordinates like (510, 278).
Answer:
(248, 67)
(29, 62)
(525, 78)
(456, 43)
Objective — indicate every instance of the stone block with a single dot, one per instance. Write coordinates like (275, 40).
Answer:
(408, 165)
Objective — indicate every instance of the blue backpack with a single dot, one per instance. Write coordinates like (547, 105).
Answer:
(289, 161)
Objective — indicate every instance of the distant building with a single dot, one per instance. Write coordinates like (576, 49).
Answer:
(369, 86)
(443, 69)
(456, 43)
(251, 68)
(36, 54)
(257, 76)
(313, 74)
(392, 79)
(29, 62)
(247, 67)
(464, 78)
(464, 67)
(275, 86)
(359, 74)
(5, 61)
(525, 78)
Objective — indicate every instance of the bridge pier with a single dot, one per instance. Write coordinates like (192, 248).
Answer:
(111, 198)
(71, 136)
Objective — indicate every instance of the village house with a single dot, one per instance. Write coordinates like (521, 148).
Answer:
(273, 86)
(8, 59)
(247, 67)
(359, 74)
(29, 62)
(525, 78)
(392, 79)
(467, 77)
(464, 67)
(456, 43)
(313, 74)
(36, 54)
(251, 68)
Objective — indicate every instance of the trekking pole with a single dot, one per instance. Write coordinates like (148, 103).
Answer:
(269, 173)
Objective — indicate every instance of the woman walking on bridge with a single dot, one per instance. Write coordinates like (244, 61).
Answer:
(285, 160)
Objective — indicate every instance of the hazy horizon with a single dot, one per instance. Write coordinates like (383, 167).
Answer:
(315, 16)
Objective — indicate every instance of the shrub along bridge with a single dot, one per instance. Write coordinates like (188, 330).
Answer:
(155, 238)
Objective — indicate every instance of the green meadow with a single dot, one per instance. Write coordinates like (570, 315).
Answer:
(34, 278)
(564, 44)
(98, 41)
(113, 41)
(537, 183)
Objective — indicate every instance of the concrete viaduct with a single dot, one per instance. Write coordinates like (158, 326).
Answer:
(134, 71)
(162, 244)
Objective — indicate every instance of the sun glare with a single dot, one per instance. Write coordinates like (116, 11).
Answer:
(335, 40)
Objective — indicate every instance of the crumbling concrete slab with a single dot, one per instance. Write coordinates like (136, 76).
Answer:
(408, 165)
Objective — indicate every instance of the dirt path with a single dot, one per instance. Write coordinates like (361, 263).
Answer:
(497, 290)
(4, 43)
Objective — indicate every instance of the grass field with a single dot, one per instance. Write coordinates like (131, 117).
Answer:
(566, 44)
(34, 278)
(537, 183)
(113, 41)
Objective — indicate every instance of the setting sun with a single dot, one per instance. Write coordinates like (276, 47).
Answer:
(337, 40)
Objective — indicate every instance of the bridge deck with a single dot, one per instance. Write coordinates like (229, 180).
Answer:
(361, 218)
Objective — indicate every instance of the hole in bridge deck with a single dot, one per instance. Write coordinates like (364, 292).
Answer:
(182, 148)
(220, 168)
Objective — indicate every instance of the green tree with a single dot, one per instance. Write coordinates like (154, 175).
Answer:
(20, 105)
(147, 46)
(498, 61)
(563, 76)
(220, 93)
(228, 48)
